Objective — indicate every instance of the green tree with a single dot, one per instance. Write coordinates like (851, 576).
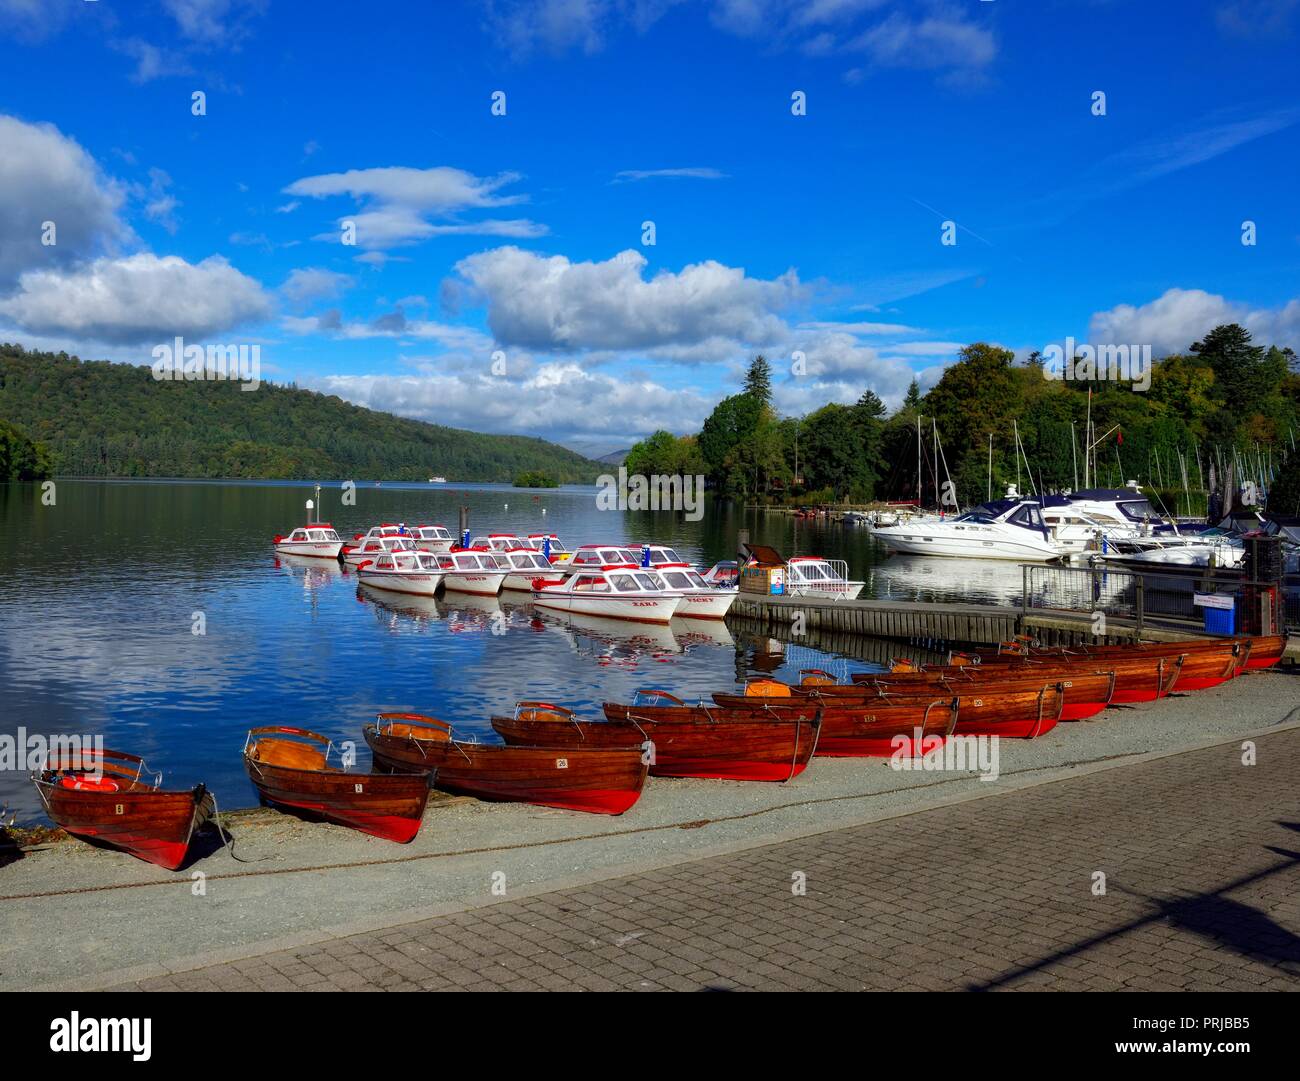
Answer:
(758, 380)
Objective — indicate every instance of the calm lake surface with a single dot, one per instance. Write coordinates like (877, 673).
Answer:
(98, 597)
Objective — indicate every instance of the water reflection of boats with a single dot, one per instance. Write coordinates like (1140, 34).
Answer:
(391, 607)
(313, 573)
(974, 581)
(613, 641)
(692, 632)
(467, 612)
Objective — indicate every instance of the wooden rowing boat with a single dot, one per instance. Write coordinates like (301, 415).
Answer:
(290, 768)
(1137, 679)
(907, 726)
(1086, 691)
(113, 798)
(598, 780)
(1022, 713)
(1206, 662)
(754, 748)
(1265, 650)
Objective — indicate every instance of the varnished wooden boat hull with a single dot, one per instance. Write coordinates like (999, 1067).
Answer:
(846, 731)
(152, 826)
(598, 781)
(1256, 652)
(1210, 667)
(384, 805)
(768, 749)
(1138, 679)
(1016, 714)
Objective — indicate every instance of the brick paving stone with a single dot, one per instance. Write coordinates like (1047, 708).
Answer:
(991, 894)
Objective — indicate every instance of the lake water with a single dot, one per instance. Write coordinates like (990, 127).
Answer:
(99, 595)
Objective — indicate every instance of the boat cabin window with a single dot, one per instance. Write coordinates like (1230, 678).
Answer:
(664, 555)
(697, 582)
(609, 555)
(624, 583)
(677, 580)
(1027, 517)
(1137, 510)
(650, 581)
(590, 583)
(298, 534)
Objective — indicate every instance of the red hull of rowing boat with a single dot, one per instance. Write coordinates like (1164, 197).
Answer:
(591, 779)
(152, 825)
(753, 749)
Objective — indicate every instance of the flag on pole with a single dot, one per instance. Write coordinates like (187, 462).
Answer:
(1119, 438)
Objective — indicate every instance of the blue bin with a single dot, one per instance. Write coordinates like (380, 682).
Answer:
(1220, 621)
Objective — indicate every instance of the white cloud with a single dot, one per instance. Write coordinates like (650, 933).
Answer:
(670, 174)
(307, 284)
(398, 202)
(151, 62)
(1179, 317)
(46, 176)
(551, 303)
(556, 26)
(160, 205)
(862, 329)
(136, 299)
(932, 41)
(213, 22)
(557, 400)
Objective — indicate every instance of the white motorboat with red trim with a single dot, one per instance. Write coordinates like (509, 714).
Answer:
(432, 538)
(656, 556)
(353, 554)
(699, 599)
(550, 546)
(595, 556)
(526, 566)
(474, 570)
(500, 542)
(725, 572)
(316, 539)
(404, 571)
(616, 591)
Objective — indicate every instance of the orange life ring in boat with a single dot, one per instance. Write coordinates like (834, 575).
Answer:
(82, 783)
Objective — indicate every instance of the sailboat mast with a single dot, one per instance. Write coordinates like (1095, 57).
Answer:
(918, 461)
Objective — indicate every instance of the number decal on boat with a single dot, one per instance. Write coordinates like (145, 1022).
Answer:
(979, 701)
(359, 788)
(119, 809)
(1067, 683)
(561, 763)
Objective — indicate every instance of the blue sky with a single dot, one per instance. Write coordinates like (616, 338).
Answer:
(519, 237)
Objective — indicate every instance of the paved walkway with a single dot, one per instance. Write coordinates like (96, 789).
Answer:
(1202, 891)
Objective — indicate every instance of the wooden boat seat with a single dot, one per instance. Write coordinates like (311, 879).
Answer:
(415, 726)
(289, 753)
(543, 711)
(815, 677)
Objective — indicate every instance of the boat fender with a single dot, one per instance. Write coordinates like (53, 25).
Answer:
(278, 539)
(364, 563)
